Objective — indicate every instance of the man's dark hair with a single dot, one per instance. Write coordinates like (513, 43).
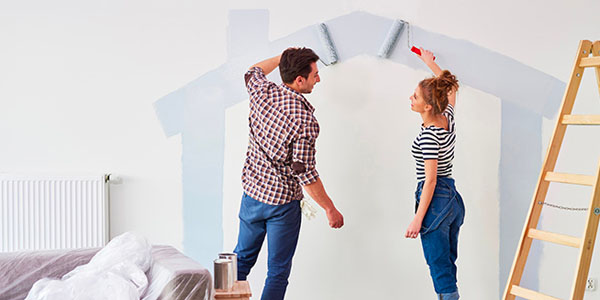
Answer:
(296, 62)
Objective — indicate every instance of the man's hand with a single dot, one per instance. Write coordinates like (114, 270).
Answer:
(268, 65)
(336, 220)
(317, 192)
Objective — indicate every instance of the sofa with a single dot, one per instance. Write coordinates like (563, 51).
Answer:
(171, 276)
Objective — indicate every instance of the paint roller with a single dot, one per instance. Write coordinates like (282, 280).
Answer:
(391, 39)
(327, 43)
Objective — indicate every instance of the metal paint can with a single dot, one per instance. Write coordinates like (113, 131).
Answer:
(233, 257)
(223, 274)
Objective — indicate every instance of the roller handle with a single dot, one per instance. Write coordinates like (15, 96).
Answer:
(417, 51)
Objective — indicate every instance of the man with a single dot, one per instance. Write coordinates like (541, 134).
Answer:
(280, 161)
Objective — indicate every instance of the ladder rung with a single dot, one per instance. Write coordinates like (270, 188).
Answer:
(570, 178)
(581, 119)
(590, 62)
(554, 238)
(529, 294)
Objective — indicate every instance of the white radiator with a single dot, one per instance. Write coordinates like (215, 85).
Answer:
(53, 212)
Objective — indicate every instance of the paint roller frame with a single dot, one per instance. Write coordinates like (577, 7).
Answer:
(327, 44)
(391, 39)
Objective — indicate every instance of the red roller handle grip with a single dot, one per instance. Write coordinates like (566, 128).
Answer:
(417, 51)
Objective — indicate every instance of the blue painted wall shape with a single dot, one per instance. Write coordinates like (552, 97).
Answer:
(197, 111)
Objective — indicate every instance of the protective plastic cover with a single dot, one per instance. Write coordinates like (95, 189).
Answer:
(127, 268)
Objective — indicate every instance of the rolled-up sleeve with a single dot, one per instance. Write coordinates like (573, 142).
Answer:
(256, 82)
(303, 156)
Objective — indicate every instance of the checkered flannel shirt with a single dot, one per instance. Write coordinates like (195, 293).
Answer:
(281, 150)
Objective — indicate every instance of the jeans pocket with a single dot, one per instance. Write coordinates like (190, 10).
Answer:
(244, 206)
(288, 213)
(438, 210)
(443, 190)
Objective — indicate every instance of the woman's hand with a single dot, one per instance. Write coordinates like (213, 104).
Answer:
(426, 56)
(413, 229)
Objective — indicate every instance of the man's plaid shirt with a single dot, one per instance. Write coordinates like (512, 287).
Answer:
(281, 149)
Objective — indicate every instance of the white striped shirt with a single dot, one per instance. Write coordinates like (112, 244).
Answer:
(436, 143)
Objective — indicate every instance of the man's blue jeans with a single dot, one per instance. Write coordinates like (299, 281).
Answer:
(281, 225)
(439, 235)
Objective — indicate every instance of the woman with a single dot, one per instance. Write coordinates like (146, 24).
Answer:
(439, 207)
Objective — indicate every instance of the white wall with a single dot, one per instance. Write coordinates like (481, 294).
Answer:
(363, 156)
(77, 84)
(78, 79)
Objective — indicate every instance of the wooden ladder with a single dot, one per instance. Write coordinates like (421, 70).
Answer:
(585, 244)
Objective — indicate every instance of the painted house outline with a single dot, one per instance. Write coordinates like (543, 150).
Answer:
(197, 112)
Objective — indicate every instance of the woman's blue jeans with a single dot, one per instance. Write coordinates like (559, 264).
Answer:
(281, 225)
(439, 235)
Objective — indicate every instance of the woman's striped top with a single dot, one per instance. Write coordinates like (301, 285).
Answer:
(436, 143)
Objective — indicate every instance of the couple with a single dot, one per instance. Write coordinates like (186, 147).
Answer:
(280, 161)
